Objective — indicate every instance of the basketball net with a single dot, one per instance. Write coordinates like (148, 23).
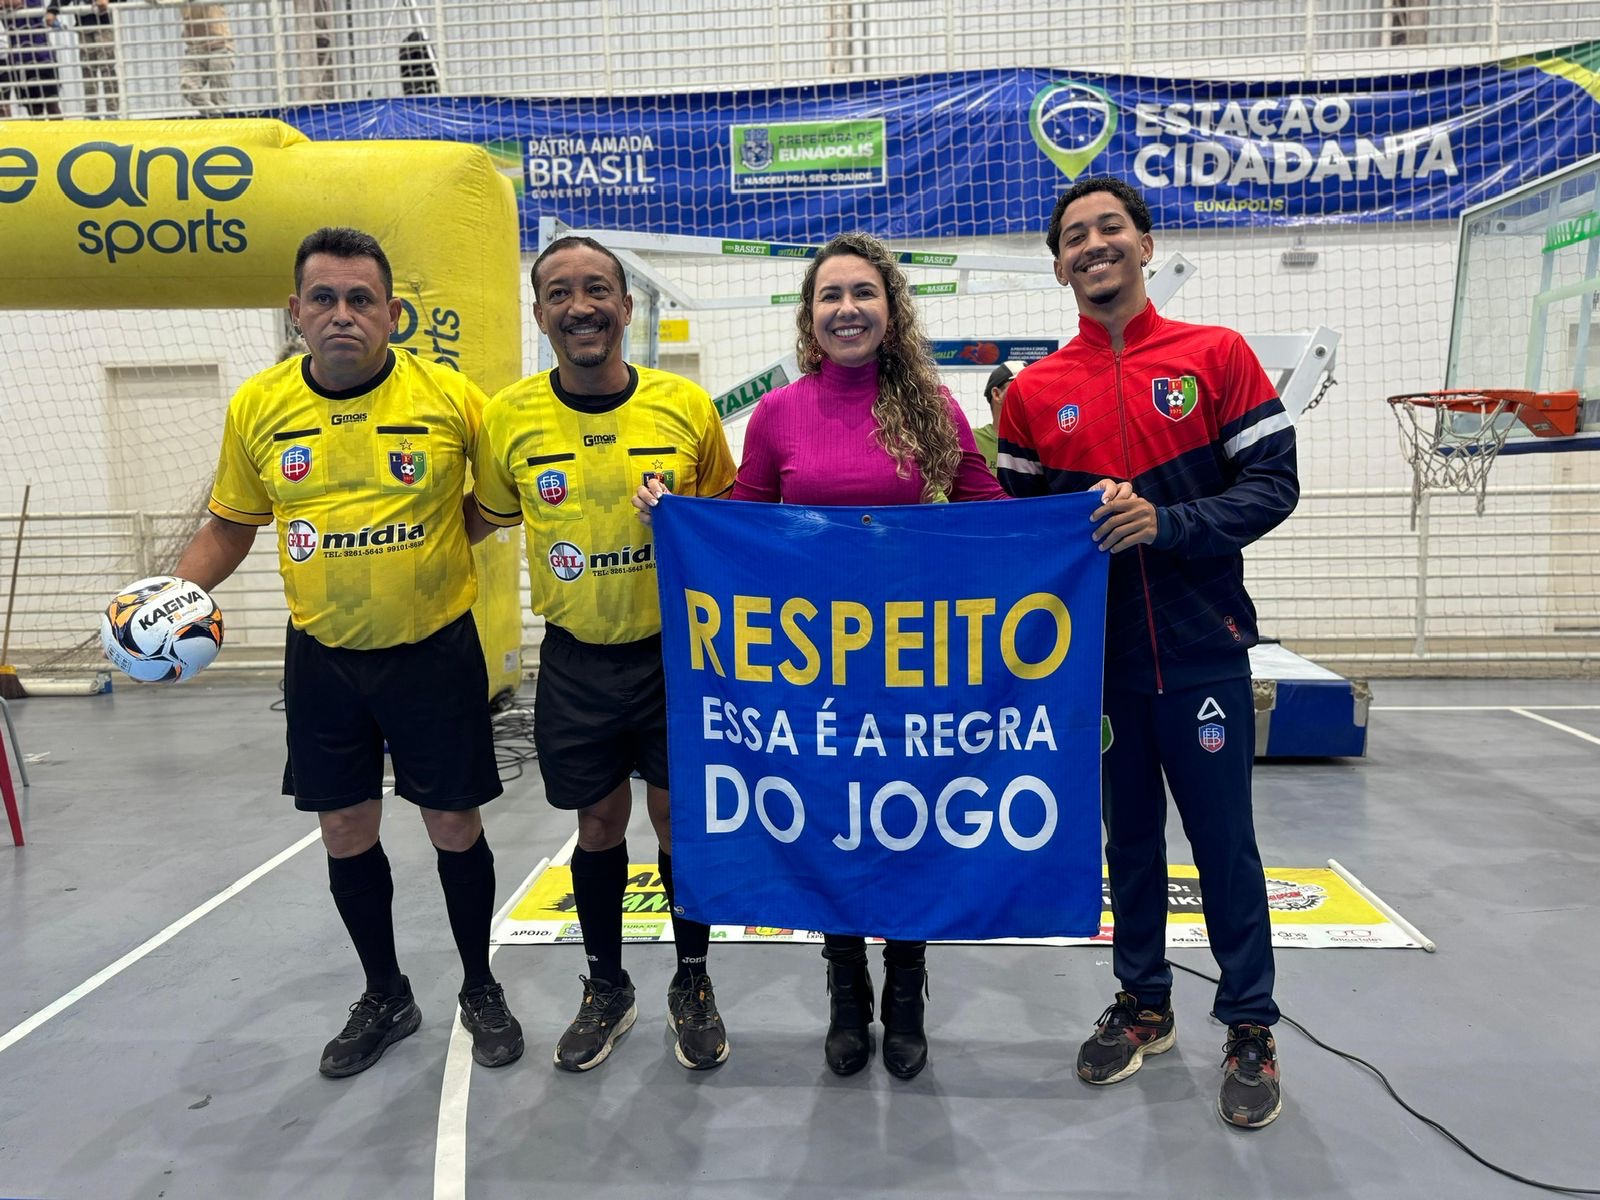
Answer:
(1450, 439)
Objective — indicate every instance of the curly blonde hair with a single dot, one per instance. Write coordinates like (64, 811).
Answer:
(912, 414)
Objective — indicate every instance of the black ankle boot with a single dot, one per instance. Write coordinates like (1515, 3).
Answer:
(849, 1045)
(905, 1045)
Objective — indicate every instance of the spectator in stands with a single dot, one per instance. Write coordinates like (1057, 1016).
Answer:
(5, 72)
(313, 42)
(207, 57)
(995, 393)
(34, 77)
(97, 57)
(418, 75)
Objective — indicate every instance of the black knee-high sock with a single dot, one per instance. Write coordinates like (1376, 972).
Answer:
(468, 880)
(363, 890)
(693, 939)
(599, 879)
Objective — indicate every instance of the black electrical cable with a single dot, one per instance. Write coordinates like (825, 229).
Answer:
(513, 740)
(1424, 1118)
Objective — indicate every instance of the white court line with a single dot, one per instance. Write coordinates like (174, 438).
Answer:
(1533, 716)
(450, 1142)
(16, 1034)
(1483, 708)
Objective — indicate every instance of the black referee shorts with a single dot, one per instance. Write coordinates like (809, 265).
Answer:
(600, 713)
(429, 700)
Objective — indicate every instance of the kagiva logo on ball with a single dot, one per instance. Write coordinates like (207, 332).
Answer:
(161, 629)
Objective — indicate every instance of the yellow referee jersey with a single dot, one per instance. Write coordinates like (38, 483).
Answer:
(566, 466)
(366, 487)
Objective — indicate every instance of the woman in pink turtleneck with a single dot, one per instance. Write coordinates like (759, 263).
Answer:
(868, 423)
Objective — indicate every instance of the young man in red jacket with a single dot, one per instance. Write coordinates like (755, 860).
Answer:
(1186, 417)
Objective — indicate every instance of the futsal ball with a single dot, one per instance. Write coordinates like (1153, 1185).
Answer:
(161, 629)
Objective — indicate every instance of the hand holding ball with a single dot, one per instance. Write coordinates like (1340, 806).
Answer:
(161, 629)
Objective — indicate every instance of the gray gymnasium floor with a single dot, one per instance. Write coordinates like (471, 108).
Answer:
(192, 1071)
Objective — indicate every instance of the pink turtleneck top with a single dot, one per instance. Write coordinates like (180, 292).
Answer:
(812, 442)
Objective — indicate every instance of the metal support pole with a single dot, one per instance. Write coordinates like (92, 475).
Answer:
(1420, 646)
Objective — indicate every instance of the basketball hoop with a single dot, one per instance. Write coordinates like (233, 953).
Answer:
(1451, 437)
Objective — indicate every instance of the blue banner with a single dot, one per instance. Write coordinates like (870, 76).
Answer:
(986, 152)
(885, 721)
(985, 354)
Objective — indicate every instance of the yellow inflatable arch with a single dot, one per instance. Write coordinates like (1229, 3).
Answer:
(208, 214)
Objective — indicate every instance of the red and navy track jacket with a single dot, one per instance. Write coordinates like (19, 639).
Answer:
(1186, 414)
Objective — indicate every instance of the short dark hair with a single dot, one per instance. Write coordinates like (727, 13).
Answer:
(572, 242)
(342, 242)
(1131, 200)
(999, 378)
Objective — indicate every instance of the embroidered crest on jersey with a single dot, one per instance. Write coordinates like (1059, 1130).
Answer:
(408, 466)
(1067, 418)
(1210, 709)
(295, 463)
(1175, 396)
(1212, 737)
(552, 486)
(668, 477)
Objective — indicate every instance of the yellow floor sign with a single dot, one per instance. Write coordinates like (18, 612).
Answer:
(1311, 908)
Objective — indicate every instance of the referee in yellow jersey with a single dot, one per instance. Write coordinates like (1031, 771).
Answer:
(360, 454)
(562, 453)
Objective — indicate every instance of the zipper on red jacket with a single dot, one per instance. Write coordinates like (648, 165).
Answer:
(1127, 467)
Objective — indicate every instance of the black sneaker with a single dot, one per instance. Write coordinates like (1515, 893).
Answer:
(496, 1035)
(1251, 1095)
(376, 1023)
(607, 1012)
(692, 1014)
(1125, 1033)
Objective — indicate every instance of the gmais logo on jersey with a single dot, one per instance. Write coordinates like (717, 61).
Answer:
(128, 177)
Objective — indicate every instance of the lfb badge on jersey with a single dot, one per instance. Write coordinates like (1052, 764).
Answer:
(1212, 737)
(668, 477)
(295, 463)
(1067, 418)
(552, 486)
(408, 466)
(1175, 395)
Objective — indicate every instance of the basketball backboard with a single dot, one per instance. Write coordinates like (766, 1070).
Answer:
(1527, 280)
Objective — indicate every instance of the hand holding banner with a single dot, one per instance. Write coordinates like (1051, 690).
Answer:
(885, 721)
